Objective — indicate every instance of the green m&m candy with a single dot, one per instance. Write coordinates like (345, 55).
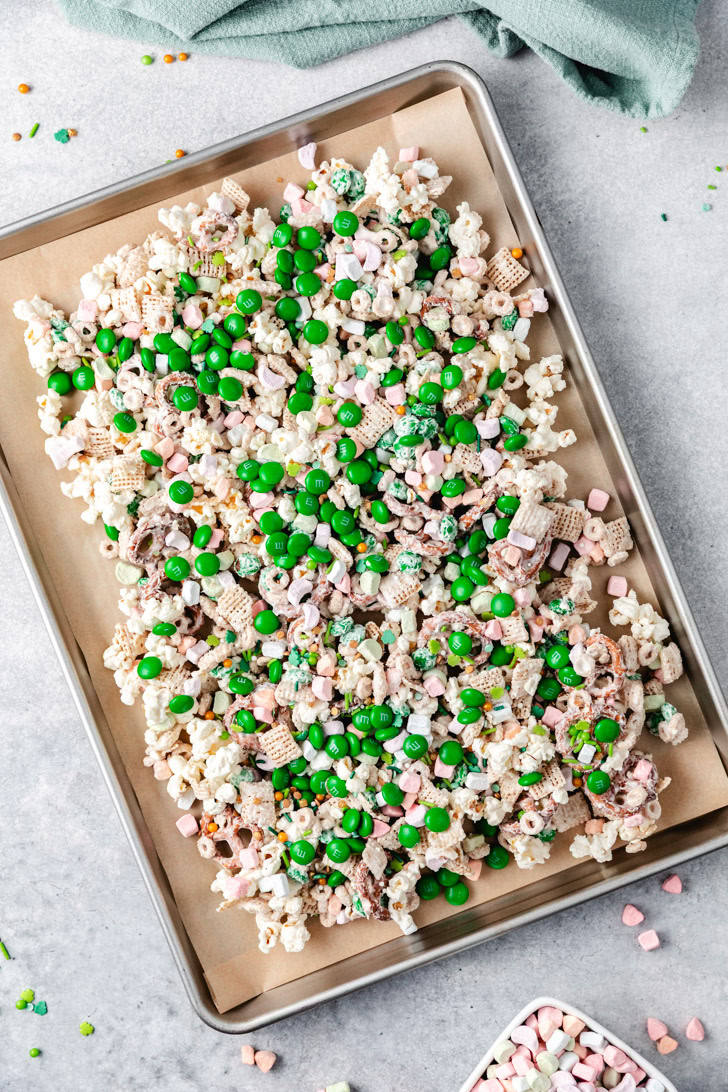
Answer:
(557, 656)
(415, 746)
(106, 340)
(60, 382)
(149, 667)
(502, 605)
(430, 393)
(229, 388)
(437, 820)
(125, 422)
(302, 852)
(451, 752)
(207, 564)
(598, 782)
(177, 568)
(457, 894)
(247, 471)
(349, 414)
(569, 676)
(181, 703)
(266, 622)
(460, 643)
(380, 512)
(181, 492)
(427, 887)
(83, 378)
(345, 449)
(308, 284)
(248, 301)
(315, 331)
(185, 399)
(241, 684)
(419, 228)
(464, 344)
(345, 223)
(606, 730)
(424, 337)
(451, 376)
(282, 235)
(287, 309)
(317, 482)
(498, 857)
(530, 778)
(408, 835)
(461, 589)
(344, 289)
(308, 237)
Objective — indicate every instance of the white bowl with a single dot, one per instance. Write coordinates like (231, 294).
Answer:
(592, 1025)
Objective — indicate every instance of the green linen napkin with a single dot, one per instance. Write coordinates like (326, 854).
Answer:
(632, 56)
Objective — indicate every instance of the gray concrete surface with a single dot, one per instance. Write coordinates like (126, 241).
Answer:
(651, 296)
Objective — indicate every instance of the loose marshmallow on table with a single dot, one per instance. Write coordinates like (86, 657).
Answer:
(673, 885)
(649, 940)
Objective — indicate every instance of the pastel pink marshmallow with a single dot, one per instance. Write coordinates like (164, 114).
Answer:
(409, 781)
(247, 1055)
(475, 867)
(551, 716)
(525, 309)
(559, 556)
(187, 825)
(524, 542)
(221, 488)
(522, 596)
(265, 1060)
(642, 770)
(261, 713)
(549, 1020)
(87, 310)
(412, 477)
(409, 800)
(596, 1061)
(526, 1036)
(434, 686)
(192, 316)
(584, 1072)
(396, 395)
(215, 539)
(471, 497)
(300, 207)
(535, 630)
(634, 820)
(161, 770)
(344, 585)
(233, 418)
(379, 829)
(511, 555)
(392, 811)
(521, 1064)
(248, 857)
(468, 266)
(433, 462)
(532, 1021)
(492, 461)
(415, 816)
(442, 769)
(583, 546)
(572, 1025)
(326, 665)
(695, 1031)
(307, 155)
(324, 416)
(493, 630)
(165, 448)
(648, 940)
(292, 191)
(364, 392)
(655, 1029)
(631, 915)
(490, 1085)
(132, 330)
(488, 428)
(617, 586)
(673, 885)
(322, 687)
(178, 463)
(409, 155)
(597, 500)
(613, 1056)
(505, 1071)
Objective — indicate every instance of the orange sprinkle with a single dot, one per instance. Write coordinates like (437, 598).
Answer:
(258, 835)
(322, 881)
(488, 706)
(168, 58)
(179, 153)
(517, 252)
(296, 794)
(576, 782)
(72, 132)
(469, 669)
(448, 458)
(320, 796)
(182, 56)
(16, 136)
(539, 620)
(283, 837)
(279, 179)
(257, 539)
(277, 795)
(212, 827)
(400, 410)
(23, 88)
(362, 547)
(209, 715)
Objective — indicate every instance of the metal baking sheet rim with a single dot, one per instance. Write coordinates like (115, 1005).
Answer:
(461, 931)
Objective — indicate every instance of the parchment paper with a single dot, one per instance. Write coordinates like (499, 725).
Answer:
(227, 943)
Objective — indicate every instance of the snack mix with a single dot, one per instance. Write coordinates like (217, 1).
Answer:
(355, 592)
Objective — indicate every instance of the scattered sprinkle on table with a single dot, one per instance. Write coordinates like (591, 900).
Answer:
(707, 207)
(28, 995)
(146, 59)
(24, 89)
(34, 130)
(34, 1052)
(21, 1004)
(40, 1008)
(86, 1028)
(719, 168)
(643, 129)
(168, 58)
(5, 952)
(712, 187)
(180, 153)
(183, 56)
(663, 216)
(16, 136)
(62, 136)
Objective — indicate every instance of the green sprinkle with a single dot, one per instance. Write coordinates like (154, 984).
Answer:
(710, 187)
(62, 136)
(146, 59)
(86, 1028)
(34, 130)
(719, 168)
(218, 258)
(34, 1052)
(28, 995)
(707, 207)
(41, 1008)
(643, 129)
(5, 952)
(663, 216)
